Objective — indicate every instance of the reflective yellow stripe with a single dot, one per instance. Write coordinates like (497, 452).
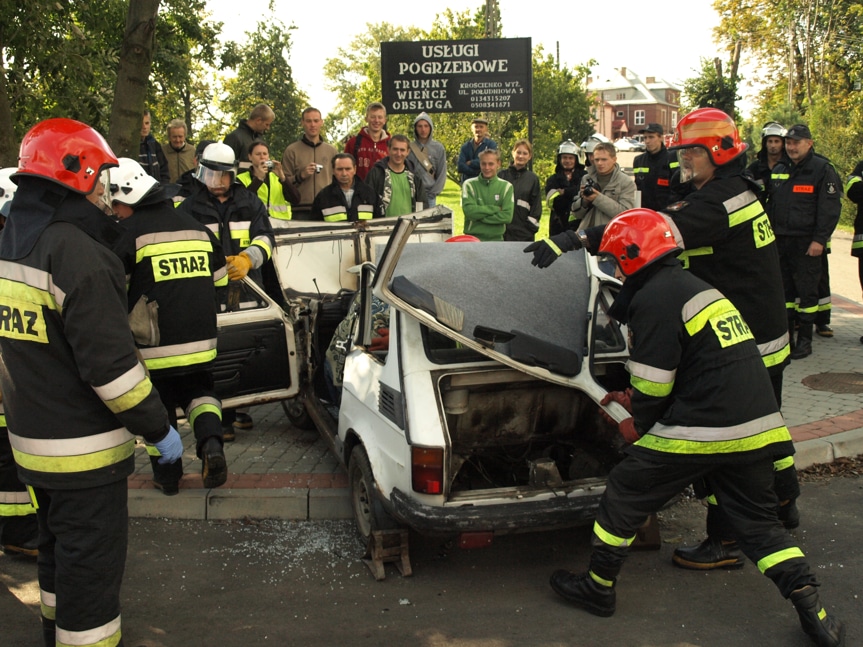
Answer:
(120, 385)
(779, 176)
(783, 463)
(746, 214)
(264, 243)
(748, 436)
(188, 354)
(854, 179)
(600, 580)
(711, 500)
(641, 169)
(674, 165)
(70, 446)
(48, 604)
(554, 247)
(203, 405)
(132, 398)
(654, 389)
(171, 242)
(774, 359)
(189, 359)
(220, 277)
(686, 254)
(16, 509)
(80, 463)
(337, 217)
(778, 557)
(152, 450)
(607, 538)
(699, 309)
(108, 635)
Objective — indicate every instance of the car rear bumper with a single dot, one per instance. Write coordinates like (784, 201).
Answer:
(576, 507)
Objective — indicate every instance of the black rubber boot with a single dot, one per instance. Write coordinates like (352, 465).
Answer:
(708, 555)
(824, 630)
(214, 467)
(803, 347)
(583, 591)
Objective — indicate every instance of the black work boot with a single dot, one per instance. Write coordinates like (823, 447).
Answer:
(709, 554)
(824, 630)
(803, 347)
(214, 467)
(583, 591)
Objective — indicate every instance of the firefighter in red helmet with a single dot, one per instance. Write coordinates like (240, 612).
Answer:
(702, 409)
(75, 393)
(725, 239)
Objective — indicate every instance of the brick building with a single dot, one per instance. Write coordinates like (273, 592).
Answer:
(628, 103)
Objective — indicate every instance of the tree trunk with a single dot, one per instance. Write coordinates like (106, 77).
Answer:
(133, 76)
(8, 145)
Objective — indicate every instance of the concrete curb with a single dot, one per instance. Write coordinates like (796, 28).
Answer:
(258, 503)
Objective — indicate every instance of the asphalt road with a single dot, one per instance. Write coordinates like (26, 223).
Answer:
(214, 584)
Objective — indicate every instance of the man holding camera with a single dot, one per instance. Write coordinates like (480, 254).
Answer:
(308, 163)
(605, 190)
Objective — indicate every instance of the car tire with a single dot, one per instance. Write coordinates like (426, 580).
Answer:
(369, 512)
(295, 411)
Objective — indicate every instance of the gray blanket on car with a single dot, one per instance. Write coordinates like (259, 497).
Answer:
(536, 316)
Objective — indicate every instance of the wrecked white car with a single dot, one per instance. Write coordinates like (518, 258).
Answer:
(481, 416)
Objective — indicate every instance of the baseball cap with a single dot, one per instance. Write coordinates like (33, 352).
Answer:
(480, 120)
(652, 128)
(798, 131)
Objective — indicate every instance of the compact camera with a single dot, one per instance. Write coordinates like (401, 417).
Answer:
(319, 168)
(269, 164)
(590, 187)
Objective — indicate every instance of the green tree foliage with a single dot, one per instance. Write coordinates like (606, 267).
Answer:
(264, 76)
(809, 62)
(710, 89)
(60, 59)
(562, 108)
(182, 78)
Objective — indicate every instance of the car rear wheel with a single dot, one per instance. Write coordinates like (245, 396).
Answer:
(295, 410)
(369, 513)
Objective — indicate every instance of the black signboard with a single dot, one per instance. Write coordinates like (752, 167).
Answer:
(489, 75)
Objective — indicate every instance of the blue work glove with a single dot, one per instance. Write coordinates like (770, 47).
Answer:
(170, 447)
(546, 251)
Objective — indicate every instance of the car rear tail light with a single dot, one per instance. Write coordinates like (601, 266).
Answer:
(427, 470)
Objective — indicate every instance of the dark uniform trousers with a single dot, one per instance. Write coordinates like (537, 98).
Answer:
(193, 393)
(800, 277)
(17, 515)
(82, 555)
(639, 486)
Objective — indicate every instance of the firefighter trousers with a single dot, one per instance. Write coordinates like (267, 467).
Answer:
(83, 536)
(17, 514)
(800, 277)
(639, 486)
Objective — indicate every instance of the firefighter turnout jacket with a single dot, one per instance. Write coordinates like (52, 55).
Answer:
(174, 264)
(653, 173)
(805, 198)
(76, 393)
(240, 223)
(700, 390)
(728, 242)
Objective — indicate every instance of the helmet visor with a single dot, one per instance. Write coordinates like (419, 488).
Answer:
(694, 163)
(215, 179)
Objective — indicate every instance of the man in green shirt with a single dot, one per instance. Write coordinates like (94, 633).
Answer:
(487, 200)
(393, 179)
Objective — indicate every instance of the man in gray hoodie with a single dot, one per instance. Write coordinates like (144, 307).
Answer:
(429, 158)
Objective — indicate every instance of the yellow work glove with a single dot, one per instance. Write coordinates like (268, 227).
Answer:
(238, 266)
